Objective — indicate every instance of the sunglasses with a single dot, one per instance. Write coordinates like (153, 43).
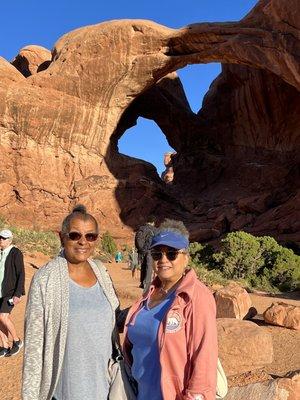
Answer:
(89, 237)
(3, 238)
(170, 254)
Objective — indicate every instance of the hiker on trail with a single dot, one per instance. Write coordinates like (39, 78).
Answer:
(70, 319)
(143, 238)
(12, 277)
(170, 334)
(133, 261)
(118, 256)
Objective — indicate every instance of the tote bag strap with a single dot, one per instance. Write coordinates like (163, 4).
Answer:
(222, 385)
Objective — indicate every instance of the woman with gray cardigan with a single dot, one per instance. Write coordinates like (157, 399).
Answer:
(70, 317)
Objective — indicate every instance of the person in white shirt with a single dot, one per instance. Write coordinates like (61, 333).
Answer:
(12, 277)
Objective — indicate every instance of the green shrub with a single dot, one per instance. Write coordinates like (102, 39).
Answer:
(108, 244)
(240, 255)
(29, 240)
(202, 255)
(201, 260)
(209, 277)
(285, 273)
(3, 223)
(258, 262)
(42, 241)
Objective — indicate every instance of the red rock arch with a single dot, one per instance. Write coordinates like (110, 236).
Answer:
(59, 127)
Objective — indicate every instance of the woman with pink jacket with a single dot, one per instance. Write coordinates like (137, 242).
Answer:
(170, 334)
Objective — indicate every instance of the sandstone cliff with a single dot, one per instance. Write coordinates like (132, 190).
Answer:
(237, 162)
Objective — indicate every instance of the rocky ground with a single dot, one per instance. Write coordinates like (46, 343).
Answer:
(286, 342)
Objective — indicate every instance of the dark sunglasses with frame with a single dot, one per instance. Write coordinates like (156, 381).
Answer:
(3, 238)
(75, 236)
(170, 254)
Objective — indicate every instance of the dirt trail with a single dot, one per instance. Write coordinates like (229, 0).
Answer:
(286, 342)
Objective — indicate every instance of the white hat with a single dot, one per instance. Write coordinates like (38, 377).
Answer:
(6, 234)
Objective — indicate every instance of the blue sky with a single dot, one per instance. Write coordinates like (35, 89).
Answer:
(42, 23)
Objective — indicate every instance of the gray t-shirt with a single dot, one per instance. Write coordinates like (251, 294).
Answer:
(88, 347)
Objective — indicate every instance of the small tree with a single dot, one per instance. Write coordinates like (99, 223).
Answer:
(240, 255)
(108, 244)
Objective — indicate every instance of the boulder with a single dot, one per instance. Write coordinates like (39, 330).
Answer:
(32, 59)
(255, 204)
(241, 222)
(275, 389)
(243, 346)
(289, 386)
(233, 301)
(168, 174)
(283, 314)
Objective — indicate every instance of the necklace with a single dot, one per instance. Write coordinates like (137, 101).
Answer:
(161, 293)
(164, 291)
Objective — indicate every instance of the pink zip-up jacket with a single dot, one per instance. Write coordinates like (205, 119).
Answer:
(187, 339)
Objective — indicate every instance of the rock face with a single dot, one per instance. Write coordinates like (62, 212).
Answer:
(283, 314)
(233, 301)
(243, 346)
(168, 175)
(237, 161)
(32, 59)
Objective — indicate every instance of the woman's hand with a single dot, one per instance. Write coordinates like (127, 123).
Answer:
(190, 396)
(16, 300)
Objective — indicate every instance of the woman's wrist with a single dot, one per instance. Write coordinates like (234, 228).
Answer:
(191, 396)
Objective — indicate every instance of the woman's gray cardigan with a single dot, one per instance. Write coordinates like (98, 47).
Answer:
(46, 325)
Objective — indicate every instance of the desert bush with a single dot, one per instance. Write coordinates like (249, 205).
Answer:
(209, 277)
(29, 240)
(3, 223)
(240, 255)
(258, 262)
(201, 260)
(202, 255)
(285, 273)
(42, 241)
(108, 244)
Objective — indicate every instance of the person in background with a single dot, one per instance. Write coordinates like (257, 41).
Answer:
(118, 256)
(70, 319)
(170, 336)
(133, 261)
(143, 238)
(12, 278)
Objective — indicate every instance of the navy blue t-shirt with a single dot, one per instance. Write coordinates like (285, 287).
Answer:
(143, 335)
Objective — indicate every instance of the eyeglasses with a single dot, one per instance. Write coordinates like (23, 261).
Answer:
(3, 238)
(89, 237)
(170, 254)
